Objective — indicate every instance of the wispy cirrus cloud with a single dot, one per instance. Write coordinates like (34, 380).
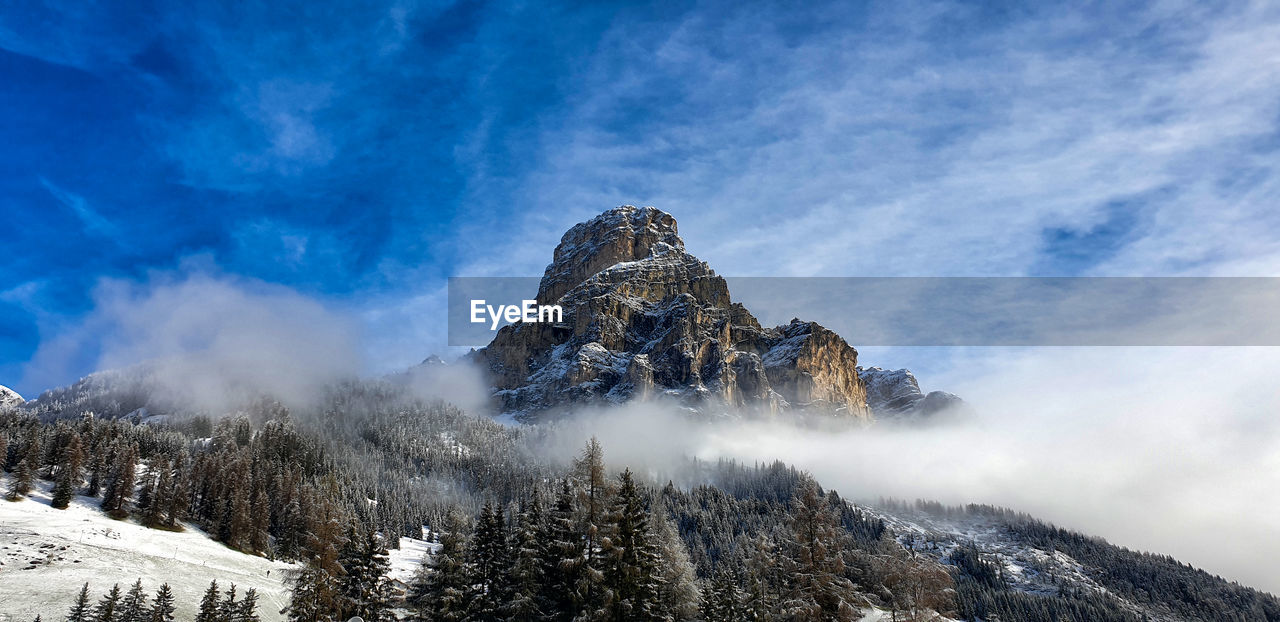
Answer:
(93, 222)
(940, 140)
(408, 141)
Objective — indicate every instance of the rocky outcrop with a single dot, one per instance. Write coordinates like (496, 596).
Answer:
(9, 397)
(642, 317)
(894, 395)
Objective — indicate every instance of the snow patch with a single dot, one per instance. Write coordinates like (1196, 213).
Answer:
(47, 554)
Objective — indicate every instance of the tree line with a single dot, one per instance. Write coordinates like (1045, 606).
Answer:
(134, 606)
(514, 535)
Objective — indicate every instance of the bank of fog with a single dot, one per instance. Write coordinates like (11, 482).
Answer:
(1172, 450)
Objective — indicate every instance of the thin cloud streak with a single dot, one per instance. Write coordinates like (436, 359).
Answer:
(904, 160)
(92, 221)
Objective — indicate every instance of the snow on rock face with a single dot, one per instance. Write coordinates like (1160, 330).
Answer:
(9, 397)
(643, 317)
(621, 235)
(895, 394)
(890, 391)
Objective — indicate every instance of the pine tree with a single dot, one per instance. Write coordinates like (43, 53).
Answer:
(25, 473)
(157, 500)
(678, 595)
(108, 609)
(525, 575)
(310, 596)
(23, 476)
(440, 586)
(364, 589)
(260, 523)
(134, 606)
(315, 596)
(69, 462)
(631, 561)
(63, 491)
(146, 495)
(162, 607)
(488, 589)
(80, 611)
(724, 600)
(765, 579)
(240, 523)
(120, 486)
(594, 494)
(248, 609)
(818, 589)
(228, 607)
(34, 450)
(209, 604)
(289, 543)
(97, 473)
(178, 493)
(562, 564)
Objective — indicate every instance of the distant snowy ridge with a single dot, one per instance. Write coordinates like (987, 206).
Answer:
(894, 394)
(9, 397)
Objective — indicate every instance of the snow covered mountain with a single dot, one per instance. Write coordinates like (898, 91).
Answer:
(894, 394)
(9, 397)
(644, 317)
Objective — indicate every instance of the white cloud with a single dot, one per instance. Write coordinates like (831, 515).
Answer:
(210, 340)
(889, 151)
(1107, 441)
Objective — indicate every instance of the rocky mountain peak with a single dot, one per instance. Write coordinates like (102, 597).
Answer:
(620, 235)
(642, 317)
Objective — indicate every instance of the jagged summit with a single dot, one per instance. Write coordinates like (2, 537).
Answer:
(620, 235)
(642, 316)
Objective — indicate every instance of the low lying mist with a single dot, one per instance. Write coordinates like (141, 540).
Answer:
(1171, 450)
(207, 340)
(460, 383)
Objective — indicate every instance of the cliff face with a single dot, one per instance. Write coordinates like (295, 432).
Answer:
(643, 317)
(894, 395)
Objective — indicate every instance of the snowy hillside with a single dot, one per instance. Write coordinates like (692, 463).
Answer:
(1004, 559)
(47, 554)
(1026, 568)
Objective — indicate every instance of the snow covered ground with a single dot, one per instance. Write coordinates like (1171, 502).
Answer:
(406, 559)
(47, 554)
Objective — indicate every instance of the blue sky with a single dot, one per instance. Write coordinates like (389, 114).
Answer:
(358, 153)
